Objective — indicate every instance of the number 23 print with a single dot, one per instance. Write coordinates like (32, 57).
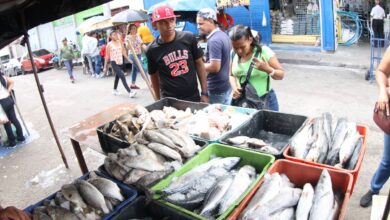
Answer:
(179, 68)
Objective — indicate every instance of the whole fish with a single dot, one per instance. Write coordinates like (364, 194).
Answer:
(92, 196)
(313, 155)
(106, 187)
(327, 118)
(70, 193)
(59, 213)
(177, 140)
(323, 198)
(134, 175)
(238, 140)
(154, 136)
(190, 148)
(256, 143)
(113, 169)
(152, 178)
(348, 146)
(165, 151)
(355, 156)
(321, 143)
(144, 163)
(241, 182)
(338, 139)
(285, 214)
(305, 202)
(299, 145)
(336, 206)
(215, 195)
(270, 150)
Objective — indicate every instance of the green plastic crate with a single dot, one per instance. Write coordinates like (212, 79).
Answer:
(258, 160)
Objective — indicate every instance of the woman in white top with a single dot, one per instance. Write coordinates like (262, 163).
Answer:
(7, 103)
(115, 51)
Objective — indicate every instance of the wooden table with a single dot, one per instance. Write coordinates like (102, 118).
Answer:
(84, 132)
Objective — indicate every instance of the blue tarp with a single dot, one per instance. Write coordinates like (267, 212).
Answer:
(186, 5)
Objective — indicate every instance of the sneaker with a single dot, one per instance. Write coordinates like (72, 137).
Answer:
(366, 200)
(115, 92)
(134, 87)
(132, 93)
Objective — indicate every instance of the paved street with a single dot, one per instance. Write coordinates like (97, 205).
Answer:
(35, 171)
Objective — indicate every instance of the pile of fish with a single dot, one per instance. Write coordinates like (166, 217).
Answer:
(254, 143)
(215, 122)
(153, 155)
(82, 199)
(211, 188)
(138, 119)
(328, 140)
(277, 198)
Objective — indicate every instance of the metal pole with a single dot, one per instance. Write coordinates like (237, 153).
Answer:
(20, 115)
(40, 90)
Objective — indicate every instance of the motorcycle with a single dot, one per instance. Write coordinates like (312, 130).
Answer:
(57, 63)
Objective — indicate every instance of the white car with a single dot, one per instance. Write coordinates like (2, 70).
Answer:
(11, 67)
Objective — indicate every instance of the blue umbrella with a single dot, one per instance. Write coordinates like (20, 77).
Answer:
(186, 5)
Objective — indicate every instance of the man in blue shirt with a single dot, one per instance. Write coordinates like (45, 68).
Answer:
(217, 57)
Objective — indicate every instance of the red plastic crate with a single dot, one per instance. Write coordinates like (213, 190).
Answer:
(299, 174)
(355, 172)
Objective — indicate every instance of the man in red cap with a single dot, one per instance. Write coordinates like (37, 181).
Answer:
(175, 60)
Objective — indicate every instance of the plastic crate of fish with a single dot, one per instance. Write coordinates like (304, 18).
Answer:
(208, 123)
(129, 194)
(142, 209)
(258, 161)
(109, 143)
(176, 103)
(355, 171)
(274, 129)
(299, 174)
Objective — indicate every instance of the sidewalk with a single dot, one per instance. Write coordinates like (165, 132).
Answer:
(355, 57)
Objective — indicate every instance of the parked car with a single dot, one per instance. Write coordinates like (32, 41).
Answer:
(42, 59)
(11, 67)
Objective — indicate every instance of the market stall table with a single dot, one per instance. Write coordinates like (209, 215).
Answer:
(84, 132)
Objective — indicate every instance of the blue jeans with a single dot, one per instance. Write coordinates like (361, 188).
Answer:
(224, 98)
(98, 64)
(134, 67)
(383, 172)
(69, 66)
(273, 101)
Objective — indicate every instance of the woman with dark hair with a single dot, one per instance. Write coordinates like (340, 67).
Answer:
(7, 103)
(248, 52)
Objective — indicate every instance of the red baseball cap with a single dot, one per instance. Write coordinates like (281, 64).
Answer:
(163, 12)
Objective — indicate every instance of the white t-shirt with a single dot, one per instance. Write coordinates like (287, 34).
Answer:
(3, 92)
(89, 45)
(377, 12)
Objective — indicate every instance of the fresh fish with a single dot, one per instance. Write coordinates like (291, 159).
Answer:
(305, 202)
(190, 148)
(108, 188)
(59, 199)
(70, 193)
(92, 196)
(135, 175)
(186, 202)
(321, 143)
(323, 198)
(144, 163)
(59, 213)
(241, 182)
(327, 118)
(285, 214)
(238, 140)
(348, 147)
(286, 181)
(299, 145)
(40, 213)
(113, 169)
(177, 140)
(338, 139)
(256, 143)
(165, 151)
(335, 208)
(355, 156)
(270, 150)
(154, 136)
(313, 155)
(215, 195)
(152, 178)
(286, 198)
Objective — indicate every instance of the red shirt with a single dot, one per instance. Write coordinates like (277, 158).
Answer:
(225, 20)
(103, 51)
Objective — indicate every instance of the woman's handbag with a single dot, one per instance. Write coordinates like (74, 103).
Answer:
(381, 119)
(249, 97)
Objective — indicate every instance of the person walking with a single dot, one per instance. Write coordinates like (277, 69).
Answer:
(135, 41)
(7, 103)
(115, 51)
(265, 65)
(217, 57)
(175, 61)
(377, 16)
(86, 51)
(96, 56)
(382, 173)
(67, 55)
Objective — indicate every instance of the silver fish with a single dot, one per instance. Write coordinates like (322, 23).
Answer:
(323, 198)
(270, 150)
(106, 187)
(305, 202)
(238, 140)
(154, 136)
(70, 193)
(165, 151)
(59, 213)
(285, 214)
(256, 143)
(144, 163)
(338, 139)
(134, 175)
(241, 182)
(92, 196)
(327, 117)
(190, 148)
(336, 206)
(348, 146)
(355, 156)
(152, 178)
(177, 140)
(321, 143)
(215, 195)
(299, 142)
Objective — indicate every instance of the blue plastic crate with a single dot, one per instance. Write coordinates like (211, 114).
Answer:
(129, 193)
